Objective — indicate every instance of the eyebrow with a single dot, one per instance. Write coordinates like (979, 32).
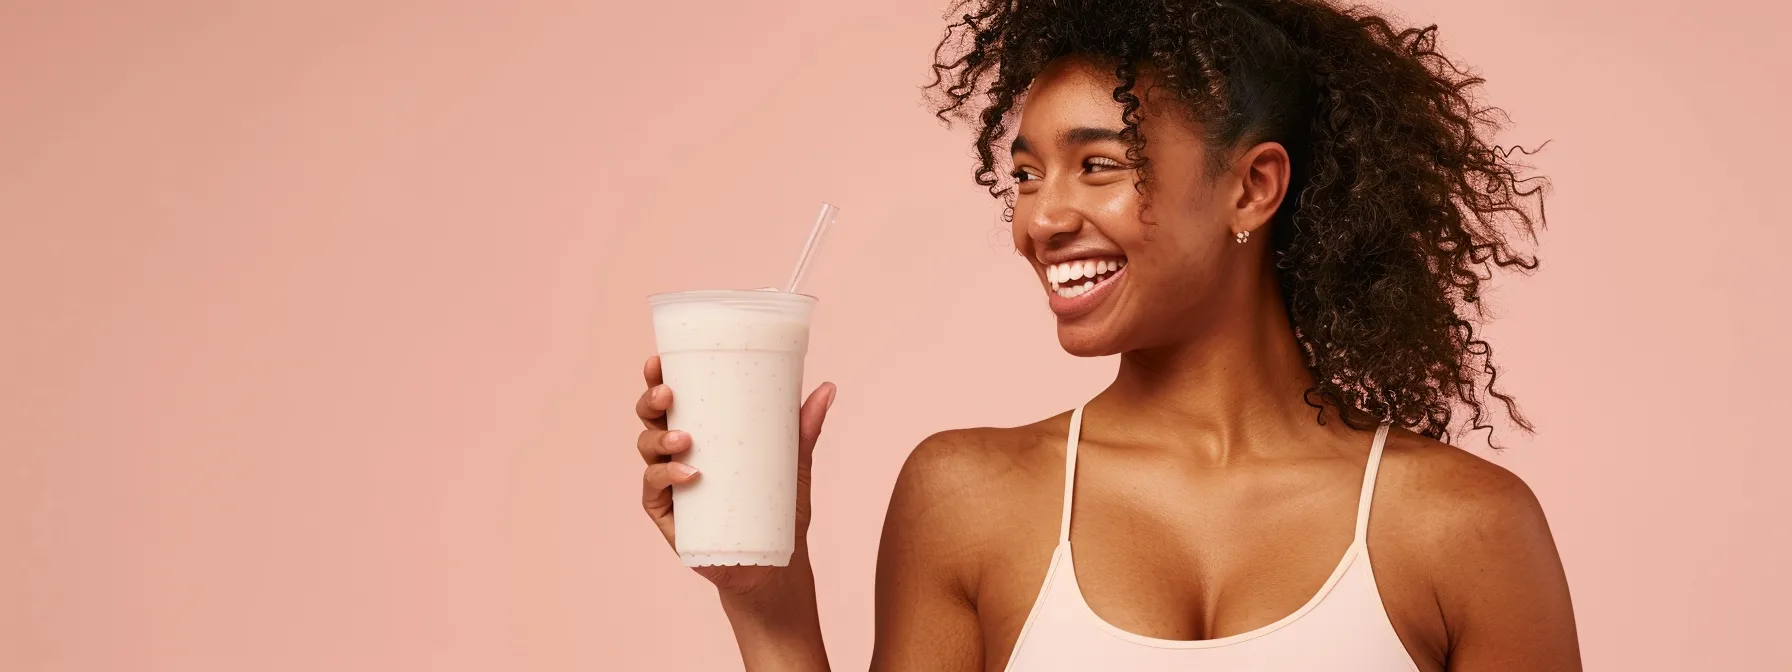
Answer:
(1081, 135)
(1085, 135)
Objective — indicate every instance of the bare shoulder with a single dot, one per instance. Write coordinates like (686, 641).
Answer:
(1436, 493)
(963, 476)
(978, 451)
(964, 499)
(1466, 563)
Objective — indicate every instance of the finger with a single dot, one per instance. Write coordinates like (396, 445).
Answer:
(652, 372)
(652, 406)
(656, 491)
(655, 445)
(810, 418)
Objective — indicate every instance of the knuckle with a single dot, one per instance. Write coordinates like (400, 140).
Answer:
(649, 441)
(656, 476)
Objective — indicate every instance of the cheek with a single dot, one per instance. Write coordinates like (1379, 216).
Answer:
(1180, 227)
(1116, 208)
(1179, 259)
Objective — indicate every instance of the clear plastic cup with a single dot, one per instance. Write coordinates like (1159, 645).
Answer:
(734, 361)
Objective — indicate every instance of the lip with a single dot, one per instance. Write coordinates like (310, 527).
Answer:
(1059, 256)
(1077, 306)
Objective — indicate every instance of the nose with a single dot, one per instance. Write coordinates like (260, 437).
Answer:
(1051, 216)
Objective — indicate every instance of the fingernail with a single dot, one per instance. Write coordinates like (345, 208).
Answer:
(660, 392)
(683, 470)
(831, 394)
(672, 436)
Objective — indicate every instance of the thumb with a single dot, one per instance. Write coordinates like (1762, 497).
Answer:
(810, 418)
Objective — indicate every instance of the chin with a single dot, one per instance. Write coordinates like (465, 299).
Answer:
(1088, 340)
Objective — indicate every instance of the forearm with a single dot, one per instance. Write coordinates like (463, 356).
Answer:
(778, 627)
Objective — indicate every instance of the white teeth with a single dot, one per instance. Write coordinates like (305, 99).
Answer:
(1063, 276)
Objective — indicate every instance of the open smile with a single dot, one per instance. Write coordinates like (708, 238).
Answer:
(1077, 286)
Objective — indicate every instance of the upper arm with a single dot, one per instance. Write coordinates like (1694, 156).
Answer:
(925, 617)
(1502, 590)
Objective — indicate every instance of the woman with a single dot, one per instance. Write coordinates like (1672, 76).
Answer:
(1279, 213)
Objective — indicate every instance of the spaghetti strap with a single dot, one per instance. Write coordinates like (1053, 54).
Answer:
(1076, 429)
(1368, 495)
(1342, 627)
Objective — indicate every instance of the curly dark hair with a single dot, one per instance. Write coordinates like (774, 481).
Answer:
(1401, 206)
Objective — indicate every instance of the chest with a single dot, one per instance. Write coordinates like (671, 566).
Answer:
(1207, 557)
(1173, 554)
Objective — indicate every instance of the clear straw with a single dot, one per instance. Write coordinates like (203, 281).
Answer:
(823, 222)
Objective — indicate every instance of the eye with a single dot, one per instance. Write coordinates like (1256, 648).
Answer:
(1022, 175)
(1096, 164)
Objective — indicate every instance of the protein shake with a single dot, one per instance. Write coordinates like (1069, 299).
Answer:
(734, 361)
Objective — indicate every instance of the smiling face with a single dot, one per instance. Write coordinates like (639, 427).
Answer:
(1120, 279)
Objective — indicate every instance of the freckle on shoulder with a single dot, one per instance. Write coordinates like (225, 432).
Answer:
(1447, 494)
(953, 455)
(976, 465)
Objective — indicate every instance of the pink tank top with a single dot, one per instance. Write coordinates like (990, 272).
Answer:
(1343, 628)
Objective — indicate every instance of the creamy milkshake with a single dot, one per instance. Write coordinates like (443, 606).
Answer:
(734, 361)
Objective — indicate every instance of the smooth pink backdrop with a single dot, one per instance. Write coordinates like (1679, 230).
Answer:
(320, 322)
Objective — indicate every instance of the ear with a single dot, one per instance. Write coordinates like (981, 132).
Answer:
(1263, 172)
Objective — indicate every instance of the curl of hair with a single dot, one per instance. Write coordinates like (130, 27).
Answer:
(1400, 207)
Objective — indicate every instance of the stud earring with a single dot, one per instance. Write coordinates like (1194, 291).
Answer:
(1242, 236)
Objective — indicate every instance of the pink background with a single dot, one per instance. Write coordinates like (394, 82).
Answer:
(322, 321)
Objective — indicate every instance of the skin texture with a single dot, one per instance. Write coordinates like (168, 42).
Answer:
(1208, 500)
(1200, 463)
(1400, 202)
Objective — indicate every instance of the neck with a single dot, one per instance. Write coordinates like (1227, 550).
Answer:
(1235, 390)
